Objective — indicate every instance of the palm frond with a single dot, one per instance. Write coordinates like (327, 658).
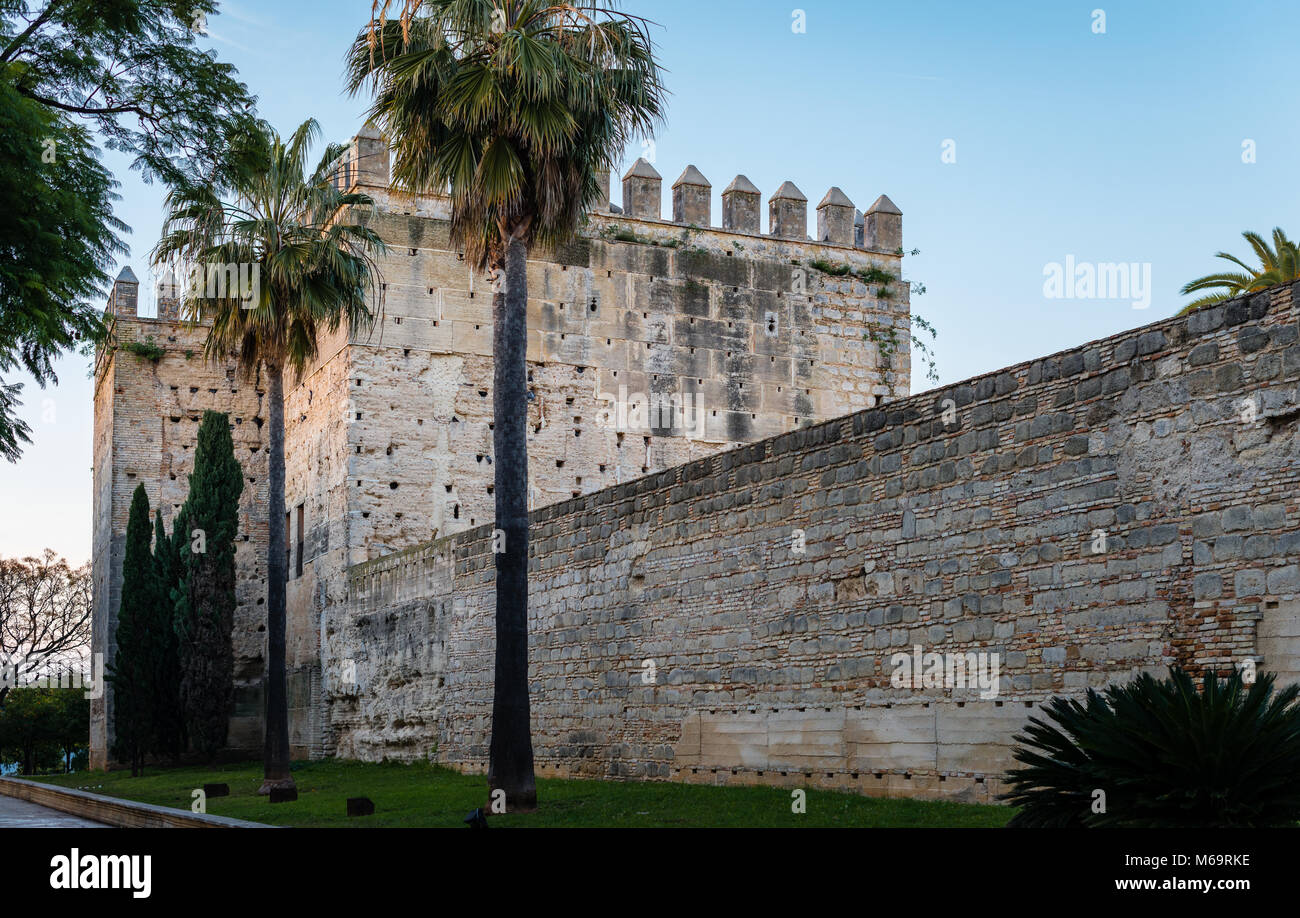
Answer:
(1277, 265)
(1163, 754)
(512, 109)
(305, 241)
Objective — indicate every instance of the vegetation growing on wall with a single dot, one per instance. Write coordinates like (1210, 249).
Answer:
(886, 338)
(145, 350)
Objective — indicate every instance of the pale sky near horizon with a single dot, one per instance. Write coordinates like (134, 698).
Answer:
(1012, 135)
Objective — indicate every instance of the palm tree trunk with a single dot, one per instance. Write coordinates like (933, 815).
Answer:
(511, 754)
(276, 757)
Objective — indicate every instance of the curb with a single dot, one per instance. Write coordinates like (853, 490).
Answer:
(116, 812)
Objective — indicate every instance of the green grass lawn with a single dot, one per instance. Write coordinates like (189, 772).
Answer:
(420, 795)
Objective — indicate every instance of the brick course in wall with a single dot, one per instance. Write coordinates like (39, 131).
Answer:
(1124, 506)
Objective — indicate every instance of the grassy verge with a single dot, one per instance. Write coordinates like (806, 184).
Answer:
(420, 795)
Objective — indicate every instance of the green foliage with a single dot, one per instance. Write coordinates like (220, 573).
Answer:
(515, 109)
(132, 668)
(74, 72)
(145, 350)
(922, 347)
(173, 674)
(300, 234)
(57, 243)
(205, 594)
(1279, 264)
(1164, 755)
(133, 70)
(873, 274)
(419, 795)
(44, 728)
(886, 342)
(313, 254)
(827, 267)
(886, 338)
(168, 726)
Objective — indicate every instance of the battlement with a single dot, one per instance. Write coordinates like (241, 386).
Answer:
(367, 166)
(124, 299)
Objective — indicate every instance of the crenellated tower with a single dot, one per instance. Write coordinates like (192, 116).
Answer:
(651, 342)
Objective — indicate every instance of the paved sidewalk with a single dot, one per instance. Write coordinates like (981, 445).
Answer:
(19, 814)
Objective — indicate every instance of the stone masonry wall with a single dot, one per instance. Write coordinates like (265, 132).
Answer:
(604, 316)
(317, 471)
(1126, 505)
(389, 440)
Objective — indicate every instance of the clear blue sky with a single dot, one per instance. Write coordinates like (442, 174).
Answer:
(1123, 146)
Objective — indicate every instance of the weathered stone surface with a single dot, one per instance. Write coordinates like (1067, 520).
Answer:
(642, 190)
(1105, 511)
(788, 212)
(883, 226)
(740, 206)
(145, 429)
(835, 216)
(1170, 539)
(691, 195)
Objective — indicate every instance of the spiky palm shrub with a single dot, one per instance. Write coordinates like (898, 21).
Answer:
(1278, 264)
(514, 108)
(314, 256)
(1164, 755)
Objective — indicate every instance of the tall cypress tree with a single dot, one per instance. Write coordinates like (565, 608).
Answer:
(132, 666)
(205, 609)
(178, 602)
(168, 719)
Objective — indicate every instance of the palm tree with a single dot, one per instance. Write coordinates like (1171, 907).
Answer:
(292, 233)
(1277, 265)
(514, 108)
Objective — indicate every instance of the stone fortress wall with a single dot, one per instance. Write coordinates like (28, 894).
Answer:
(1127, 505)
(147, 415)
(388, 438)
